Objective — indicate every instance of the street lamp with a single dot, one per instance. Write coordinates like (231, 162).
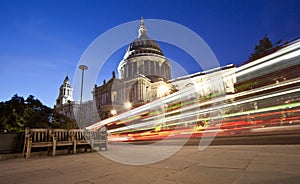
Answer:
(81, 67)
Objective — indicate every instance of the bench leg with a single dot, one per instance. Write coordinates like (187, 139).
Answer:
(28, 148)
(74, 147)
(54, 148)
(92, 145)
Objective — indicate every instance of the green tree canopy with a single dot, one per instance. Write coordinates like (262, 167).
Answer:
(62, 121)
(18, 113)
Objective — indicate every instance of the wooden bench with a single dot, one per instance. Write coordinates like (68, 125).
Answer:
(81, 139)
(63, 138)
(37, 138)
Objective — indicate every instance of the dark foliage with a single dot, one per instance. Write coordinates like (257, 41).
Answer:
(18, 113)
(264, 47)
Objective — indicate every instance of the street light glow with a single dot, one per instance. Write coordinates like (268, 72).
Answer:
(162, 90)
(113, 112)
(127, 105)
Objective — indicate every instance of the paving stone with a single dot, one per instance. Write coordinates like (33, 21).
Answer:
(216, 164)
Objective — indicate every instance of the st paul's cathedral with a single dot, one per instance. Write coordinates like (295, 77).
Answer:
(144, 75)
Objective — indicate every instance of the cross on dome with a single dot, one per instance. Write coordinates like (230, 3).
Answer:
(142, 30)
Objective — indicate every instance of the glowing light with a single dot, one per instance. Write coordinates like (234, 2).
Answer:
(127, 105)
(188, 111)
(269, 60)
(162, 90)
(113, 112)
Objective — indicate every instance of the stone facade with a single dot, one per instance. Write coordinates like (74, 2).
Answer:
(144, 76)
(65, 103)
(218, 80)
(65, 92)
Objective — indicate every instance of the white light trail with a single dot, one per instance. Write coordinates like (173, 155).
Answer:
(285, 50)
(194, 114)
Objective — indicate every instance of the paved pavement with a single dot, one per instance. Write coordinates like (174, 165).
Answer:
(216, 164)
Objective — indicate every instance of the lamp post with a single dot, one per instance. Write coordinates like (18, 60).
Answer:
(81, 67)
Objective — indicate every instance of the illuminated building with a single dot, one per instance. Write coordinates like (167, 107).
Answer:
(143, 75)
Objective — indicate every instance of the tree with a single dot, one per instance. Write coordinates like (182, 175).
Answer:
(264, 47)
(36, 114)
(17, 113)
(11, 114)
(62, 121)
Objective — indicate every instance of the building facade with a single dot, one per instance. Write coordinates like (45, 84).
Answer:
(144, 75)
(84, 113)
(64, 102)
(215, 81)
(144, 57)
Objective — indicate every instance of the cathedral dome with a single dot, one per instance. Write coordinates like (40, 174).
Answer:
(144, 56)
(143, 45)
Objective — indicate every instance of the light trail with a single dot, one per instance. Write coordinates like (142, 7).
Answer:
(196, 113)
(270, 59)
(218, 100)
(192, 114)
(186, 92)
(186, 107)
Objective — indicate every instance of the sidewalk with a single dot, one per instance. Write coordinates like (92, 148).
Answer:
(216, 164)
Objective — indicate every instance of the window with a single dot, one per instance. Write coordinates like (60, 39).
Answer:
(113, 96)
(103, 99)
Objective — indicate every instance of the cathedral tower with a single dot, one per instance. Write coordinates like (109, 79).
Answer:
(65, 93)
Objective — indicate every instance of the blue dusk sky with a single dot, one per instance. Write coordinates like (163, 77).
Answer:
(42, 41)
